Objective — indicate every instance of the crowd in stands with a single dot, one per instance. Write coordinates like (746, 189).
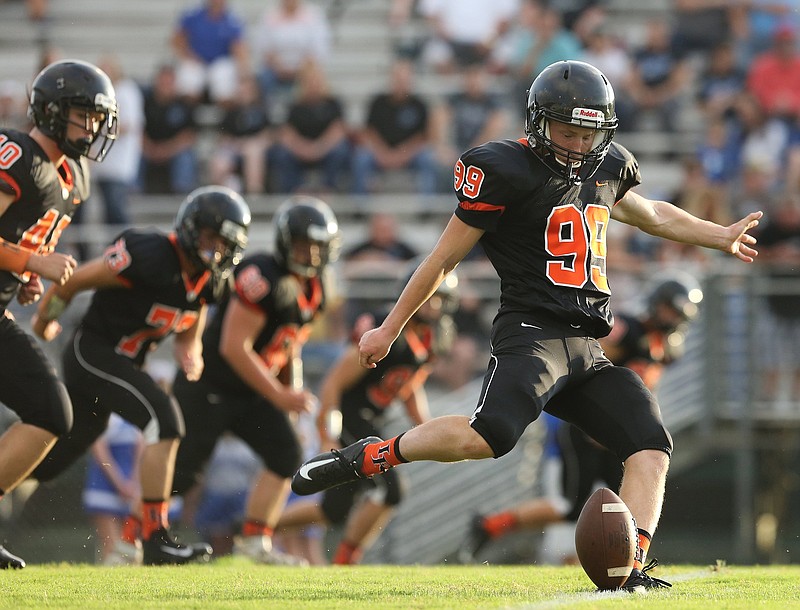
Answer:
(726, 75)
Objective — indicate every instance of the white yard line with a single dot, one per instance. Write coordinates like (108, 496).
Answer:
(594, 596)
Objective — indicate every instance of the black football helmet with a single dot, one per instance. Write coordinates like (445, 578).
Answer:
(68, 84)
(575, 93)
(223, 211)
(306, 218)
(681, 293)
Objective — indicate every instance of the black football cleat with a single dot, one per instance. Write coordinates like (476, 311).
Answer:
(639, 581)
(332, 468)
(9, 560)
(476, 539)
(162, 549)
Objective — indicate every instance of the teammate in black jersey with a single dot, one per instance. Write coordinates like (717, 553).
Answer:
(572, 462)
(540, 207)
(148, 285)
(44, 177)
(252, 384)
(355, 400)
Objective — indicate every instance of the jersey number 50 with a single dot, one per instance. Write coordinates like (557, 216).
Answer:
(578, 239)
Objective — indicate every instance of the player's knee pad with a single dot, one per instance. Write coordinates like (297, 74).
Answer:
(501, 435)
(54, 412)
(169, 422)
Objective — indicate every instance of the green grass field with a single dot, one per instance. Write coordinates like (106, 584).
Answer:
(231, 583)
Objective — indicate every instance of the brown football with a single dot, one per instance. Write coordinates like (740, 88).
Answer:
(605, 539)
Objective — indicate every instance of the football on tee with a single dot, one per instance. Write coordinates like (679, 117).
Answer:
(605, 539)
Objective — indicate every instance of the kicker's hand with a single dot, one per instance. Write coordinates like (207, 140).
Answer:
(374, 346)
(741, 243)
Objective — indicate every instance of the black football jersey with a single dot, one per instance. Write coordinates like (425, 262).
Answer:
(263, 284)
(379, 387)
(46, 197)
(158, 298)
(545, 237)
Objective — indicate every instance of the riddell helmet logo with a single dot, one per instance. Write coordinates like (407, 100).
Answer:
(587, 113)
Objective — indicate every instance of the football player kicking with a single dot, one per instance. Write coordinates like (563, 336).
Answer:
(44, 177)
(540, 207)
(355, 400)
(252, 385)
(148, 285)
(572, 462)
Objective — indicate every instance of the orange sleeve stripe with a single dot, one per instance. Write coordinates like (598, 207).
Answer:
(13, 257)
(477, 206)
(6, 177)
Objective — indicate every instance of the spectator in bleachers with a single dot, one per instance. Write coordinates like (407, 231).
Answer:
(209, 44)
(765, 18)
(383, 242)
(169, 160)
(13, 105)
(239, 160)
(718, 153)
(763, 140)
(779, 245)
(792, 173)
(700, 191)
(397, 135)
(701, 25)
(608, 54)
(774, 76)
(661, 77)
(285, 39)
(582, 16)
(114, 181)
(313, 137)
(721, 82)
(465, 31)
(407, 29)
(538, 40)
(380, 253)
(474, 114)
(753, 187)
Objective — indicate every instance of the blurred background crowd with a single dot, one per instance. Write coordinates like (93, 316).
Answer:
(368, 103)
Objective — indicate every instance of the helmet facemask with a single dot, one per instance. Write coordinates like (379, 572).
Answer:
(211, 226)
(575, 166)
(95, 146)
(307, 236)
(221, 261)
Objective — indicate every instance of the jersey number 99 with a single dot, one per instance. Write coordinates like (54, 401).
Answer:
(578, 239)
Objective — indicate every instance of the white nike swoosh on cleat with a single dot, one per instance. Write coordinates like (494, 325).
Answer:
(185, 552)
(305, 469)
(524, 325)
